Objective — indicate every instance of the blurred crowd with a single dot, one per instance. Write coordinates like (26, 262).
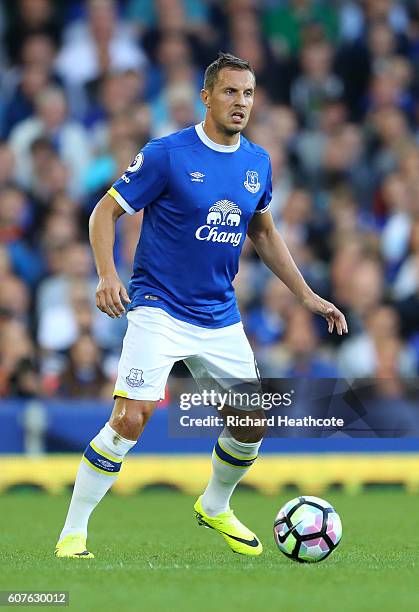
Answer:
(85, 84)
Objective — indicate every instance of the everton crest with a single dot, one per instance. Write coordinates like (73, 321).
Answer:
(135, 378)
(252, 181)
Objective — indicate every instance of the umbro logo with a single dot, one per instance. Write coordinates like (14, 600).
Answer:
(106, 464)
(197, 177)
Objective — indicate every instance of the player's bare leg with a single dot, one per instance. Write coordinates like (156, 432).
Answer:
(129, 417)
(247, 434)
(233, 455)
(99, 469)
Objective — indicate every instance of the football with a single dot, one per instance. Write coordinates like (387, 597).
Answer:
(307, 529)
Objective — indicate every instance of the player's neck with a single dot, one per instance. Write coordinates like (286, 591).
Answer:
(218, 136)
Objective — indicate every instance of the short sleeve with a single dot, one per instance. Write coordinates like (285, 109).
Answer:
(144, 180)
(265, 200)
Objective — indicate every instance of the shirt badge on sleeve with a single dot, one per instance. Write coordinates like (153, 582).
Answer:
(137, 163)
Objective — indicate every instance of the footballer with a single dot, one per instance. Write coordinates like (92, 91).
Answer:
(203, 190)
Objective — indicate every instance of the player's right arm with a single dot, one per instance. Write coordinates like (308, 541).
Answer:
(110, 291)
(140, 185)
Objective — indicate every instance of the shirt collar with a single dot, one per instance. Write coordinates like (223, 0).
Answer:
(214, 145)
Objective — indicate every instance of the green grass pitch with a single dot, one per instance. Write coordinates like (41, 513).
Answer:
(151, 556)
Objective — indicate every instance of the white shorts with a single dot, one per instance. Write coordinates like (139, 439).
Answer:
(155, 340)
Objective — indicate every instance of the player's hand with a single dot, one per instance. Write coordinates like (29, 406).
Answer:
(109, 295)
(333, 315)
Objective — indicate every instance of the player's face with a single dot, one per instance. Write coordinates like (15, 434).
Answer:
(231, 99)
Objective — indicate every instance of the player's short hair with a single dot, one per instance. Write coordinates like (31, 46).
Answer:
(224, 60)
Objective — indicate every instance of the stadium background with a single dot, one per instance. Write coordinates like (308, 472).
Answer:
(84, 85)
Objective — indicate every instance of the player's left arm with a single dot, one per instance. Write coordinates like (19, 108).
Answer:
(273, 251)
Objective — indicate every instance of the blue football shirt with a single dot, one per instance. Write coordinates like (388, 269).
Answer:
(198, 198)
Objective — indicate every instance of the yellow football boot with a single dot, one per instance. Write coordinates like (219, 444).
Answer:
(240, 539)
(73, 546)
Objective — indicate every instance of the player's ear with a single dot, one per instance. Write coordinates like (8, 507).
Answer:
(205, 97)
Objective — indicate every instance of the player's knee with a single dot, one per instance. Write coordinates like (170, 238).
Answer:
(251, 435)
(252, 432)
(129, 417)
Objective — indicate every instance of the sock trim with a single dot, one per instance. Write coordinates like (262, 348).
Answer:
(226, 457)
(96, 469)
(105, 464)
(235, 456)
(107, 455)
(239, 467)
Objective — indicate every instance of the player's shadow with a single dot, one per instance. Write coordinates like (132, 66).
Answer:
(159, 486)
